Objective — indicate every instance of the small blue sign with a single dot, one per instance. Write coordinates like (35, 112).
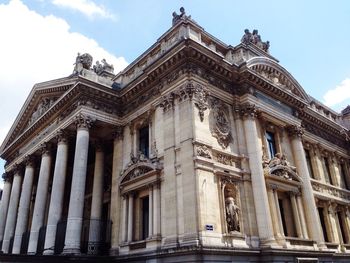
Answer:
(209, 227)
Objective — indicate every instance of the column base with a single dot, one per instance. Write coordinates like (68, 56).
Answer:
(71, 251)
(49, 252)
(269, 243)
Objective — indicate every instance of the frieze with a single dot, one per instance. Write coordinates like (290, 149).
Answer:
(203, 151)
(42, 107)
(221, 128)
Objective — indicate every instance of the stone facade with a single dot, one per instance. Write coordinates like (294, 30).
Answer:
(196, 151)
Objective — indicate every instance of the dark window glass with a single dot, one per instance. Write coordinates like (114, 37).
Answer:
(271, 144)
(280, 202)
(145, 217)
(309, 164)
(323, 225)
(144, 141)
(342, 228)
(343, 175)
(326, 170)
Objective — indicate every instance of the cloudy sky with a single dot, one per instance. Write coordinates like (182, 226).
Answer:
(39, 39)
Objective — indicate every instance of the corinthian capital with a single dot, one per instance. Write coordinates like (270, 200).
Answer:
(29, 160)
(295, 131)
(83, 121)
(118, 133)
(248, 110)
(62, 136)
(6, 177)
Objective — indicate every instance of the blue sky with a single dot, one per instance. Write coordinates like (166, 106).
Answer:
(40, 39)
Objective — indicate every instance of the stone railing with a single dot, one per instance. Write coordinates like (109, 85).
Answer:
(330, 190)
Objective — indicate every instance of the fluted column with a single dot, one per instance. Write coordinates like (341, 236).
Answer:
(296, 215)
(12, 210)
(40, 199)
(96, 203)
(261, 202)
(24, 205)
(130, 216)
(5, 200)
(312, 218)
(156, 209)
(150, 212)
(57, 194)
(76, 202)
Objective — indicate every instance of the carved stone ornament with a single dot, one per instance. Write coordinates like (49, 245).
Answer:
(221, 129)
(167, 102)
(42, 107)
(29, 160)
(6, 177)
(182, 16)
(62, 136)
(83, 121)
(201, 99)
(118, 133)
(247, 110)
(279, 166)
(295, 131)
(203, 151)
(83, 61)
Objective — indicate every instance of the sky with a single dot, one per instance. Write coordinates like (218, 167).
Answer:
(39, 39)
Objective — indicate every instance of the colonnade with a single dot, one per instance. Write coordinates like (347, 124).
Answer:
(15, 206)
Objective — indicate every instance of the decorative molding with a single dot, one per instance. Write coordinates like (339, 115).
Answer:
(330, 190)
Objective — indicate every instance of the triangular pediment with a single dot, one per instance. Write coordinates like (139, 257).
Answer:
(275, 74)
(41, 98)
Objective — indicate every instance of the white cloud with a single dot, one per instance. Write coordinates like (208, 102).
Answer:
(87, 7)
(35, 48)
(339, 94)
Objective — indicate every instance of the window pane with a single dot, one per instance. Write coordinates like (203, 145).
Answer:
(271, 144)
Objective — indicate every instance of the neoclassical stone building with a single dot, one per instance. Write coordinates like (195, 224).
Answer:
(197, 151)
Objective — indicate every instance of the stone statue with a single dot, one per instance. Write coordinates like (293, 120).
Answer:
(232, 215)
(255, 38)
(98, 67)
(106, 66)
(83, 61)
(182, 15)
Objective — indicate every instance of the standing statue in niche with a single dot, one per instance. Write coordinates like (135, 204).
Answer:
(232, 215)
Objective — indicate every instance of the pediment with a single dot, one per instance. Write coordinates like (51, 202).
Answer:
(275, 74)
(279, 167)
(139, 167)
(41, 98)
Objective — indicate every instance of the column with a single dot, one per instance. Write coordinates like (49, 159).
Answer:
(116, 215)
(302, 216)
(40, 199)
(255, 154)
(156, 210)
(296, 215)
(150, 212)
(12, 210)
(130, 216)
(96, 203)
(24, 205)
(280, 225)
(311, 213)
(125, 219)
(5, 200)
(57, 193)
(77, 194)
(274, 211)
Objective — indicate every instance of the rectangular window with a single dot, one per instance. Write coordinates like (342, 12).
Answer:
(323, 224)
(280, 203)
(342, 227)
(309, 164)
(326, 170)
(271, 144)
(144, 141)
(145, 216)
